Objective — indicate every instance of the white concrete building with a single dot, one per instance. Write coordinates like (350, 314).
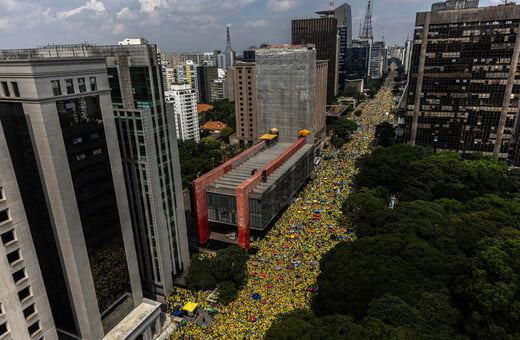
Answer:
(184, 101)
(133, 41)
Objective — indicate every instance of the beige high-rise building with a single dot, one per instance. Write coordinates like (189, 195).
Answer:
(244, 88)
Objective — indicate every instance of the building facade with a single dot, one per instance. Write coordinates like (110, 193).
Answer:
(323, 33)
(286, 90)
(343, 14)
(184, 101)
(187, 74)
(378, 63)
(463, 87)
(60, 130)
(25, 312)
(206, 75)
(146, 133)
(358, 57)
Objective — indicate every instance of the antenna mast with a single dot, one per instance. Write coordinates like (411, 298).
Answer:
(367, 28)
(228, 39)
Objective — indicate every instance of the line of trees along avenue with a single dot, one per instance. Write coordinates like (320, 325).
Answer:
(443, 263)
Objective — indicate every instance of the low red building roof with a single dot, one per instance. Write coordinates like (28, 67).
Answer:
(213, 126)
(203, 107)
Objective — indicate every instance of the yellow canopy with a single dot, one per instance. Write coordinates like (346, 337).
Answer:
(190, 307)
(304, 133)
(268, 136)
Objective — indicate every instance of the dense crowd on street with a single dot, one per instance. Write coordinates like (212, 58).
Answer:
(282, 274)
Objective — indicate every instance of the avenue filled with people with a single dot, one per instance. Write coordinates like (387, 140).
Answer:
(282, 273)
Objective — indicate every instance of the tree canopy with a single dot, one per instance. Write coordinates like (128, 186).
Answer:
(437, 254)
(227, 270)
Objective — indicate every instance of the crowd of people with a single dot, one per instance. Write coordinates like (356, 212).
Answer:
(282, 274)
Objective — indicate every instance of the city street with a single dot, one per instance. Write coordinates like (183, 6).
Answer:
(282, 274)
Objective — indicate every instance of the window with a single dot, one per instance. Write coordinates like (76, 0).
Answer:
(8, 237)
(97, 152)
(56, 89)
(69, 86)
(35, 327)
(94, 135)
(4, 215)
(81, 85)
(77, 140)
(1, 193)
(24, 294)
(27, 312)
(6, 89)
(14, 256)
(16, 90)
(19, 275)
(3, 329)
(93, 84)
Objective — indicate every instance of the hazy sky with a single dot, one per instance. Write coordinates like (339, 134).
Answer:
(187, 25)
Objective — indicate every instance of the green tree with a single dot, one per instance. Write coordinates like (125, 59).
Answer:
(199, 276)
(385, 134)
(226, 132)
(230, 265)
(302, 324)
(367, 211)
(492, 294)
(227, 292)
(354, 273)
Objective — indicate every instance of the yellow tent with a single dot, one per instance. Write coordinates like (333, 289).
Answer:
(190, 307)
(268, 136)
(304, 133)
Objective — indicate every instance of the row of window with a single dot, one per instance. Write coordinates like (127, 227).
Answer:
(14, 257)
(7, 89)
(69, 85)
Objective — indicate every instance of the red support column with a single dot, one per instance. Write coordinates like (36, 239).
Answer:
(243, 190)
(244, 234)
(201, 207)
(200, 184)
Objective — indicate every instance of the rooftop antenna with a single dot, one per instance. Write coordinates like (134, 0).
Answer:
(367, 28)
(228, 39)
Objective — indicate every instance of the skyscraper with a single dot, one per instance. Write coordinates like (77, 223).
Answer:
(358, 57)
(344, 16)
(323, 33)
(463, 92)
(59, 127)
(146, 133)
(24, 308)
(378, 60)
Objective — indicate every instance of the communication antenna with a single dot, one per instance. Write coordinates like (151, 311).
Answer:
(228, 38)
(367, 28)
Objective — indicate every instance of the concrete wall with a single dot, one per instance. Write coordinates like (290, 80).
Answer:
(286, 91)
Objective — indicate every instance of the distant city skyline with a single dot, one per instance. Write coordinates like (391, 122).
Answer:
(188, 25)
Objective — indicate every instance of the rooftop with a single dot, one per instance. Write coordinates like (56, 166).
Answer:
(134, 320)
(203, 108)
(213, 126)
(228, 183)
